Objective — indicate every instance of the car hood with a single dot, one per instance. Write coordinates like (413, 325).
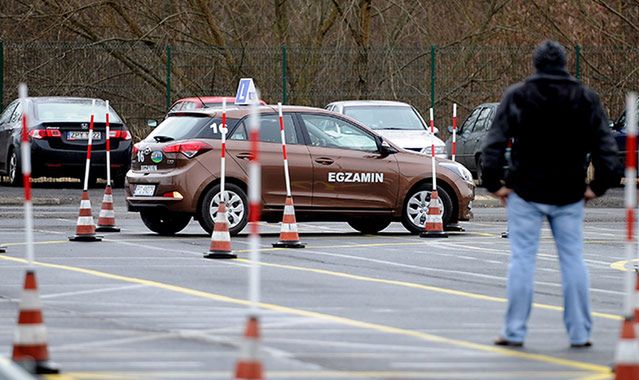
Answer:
(410, 139)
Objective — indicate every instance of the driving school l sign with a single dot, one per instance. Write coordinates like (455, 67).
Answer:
(346, 177)
(246, 93)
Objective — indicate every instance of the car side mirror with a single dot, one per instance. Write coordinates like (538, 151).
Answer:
(436, 131)
(450, 129)
(385, 148)
(151, 123)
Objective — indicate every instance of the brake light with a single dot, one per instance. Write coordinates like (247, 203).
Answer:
(189, 148)
(120, 134)
(40, 134)
(135, 150)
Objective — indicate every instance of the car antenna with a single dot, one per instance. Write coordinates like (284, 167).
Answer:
(201, 101)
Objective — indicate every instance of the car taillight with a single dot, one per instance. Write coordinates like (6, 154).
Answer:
(135, 150)
(120, 134)
(40, 134)
(189, 148)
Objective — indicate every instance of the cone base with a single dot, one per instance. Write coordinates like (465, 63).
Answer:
(504, 235)
(3, 249)
(220, 255)
(85, 238)
(107, 229)
(289, 244)
(433, 234)
(454, 228)
(42, 367)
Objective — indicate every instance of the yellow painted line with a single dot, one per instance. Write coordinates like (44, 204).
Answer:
(601, 376)
(332, 318)
(327, 374)
(623, 265)
(37, 243)
(422, 287)
(66, 376)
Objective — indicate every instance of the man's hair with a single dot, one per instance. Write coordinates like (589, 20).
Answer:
(549, 55)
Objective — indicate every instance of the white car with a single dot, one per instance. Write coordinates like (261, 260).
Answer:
(399, 122)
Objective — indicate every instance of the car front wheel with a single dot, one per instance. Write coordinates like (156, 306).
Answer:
(416, 207)
(165, 223)
(13, 169)
(236, 208)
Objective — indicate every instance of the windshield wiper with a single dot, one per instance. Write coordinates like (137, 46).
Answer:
(161, 139)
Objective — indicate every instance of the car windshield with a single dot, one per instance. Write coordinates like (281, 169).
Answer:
(73, 110)
(386, 117)
(188, 127)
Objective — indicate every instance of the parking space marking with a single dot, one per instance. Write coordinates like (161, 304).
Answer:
(586, 366)
(328, 374)
(37, 243)
(623, 265)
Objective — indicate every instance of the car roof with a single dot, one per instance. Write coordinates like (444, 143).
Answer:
(238, 112)
(370, 103)
(488, 105)
(210, 99)
(59, 99)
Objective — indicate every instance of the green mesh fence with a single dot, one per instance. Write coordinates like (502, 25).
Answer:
(139, 80)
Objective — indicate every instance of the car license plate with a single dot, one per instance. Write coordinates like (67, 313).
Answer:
(144, 190)
(83, 135)
(149, 168)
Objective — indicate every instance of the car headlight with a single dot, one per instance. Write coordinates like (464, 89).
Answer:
(439, 149)
(460, 169)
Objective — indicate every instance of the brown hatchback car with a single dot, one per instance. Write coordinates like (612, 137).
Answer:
(340, 171)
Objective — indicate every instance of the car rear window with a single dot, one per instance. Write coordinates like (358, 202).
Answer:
(74, 110)
(386, 117)
(190, 127)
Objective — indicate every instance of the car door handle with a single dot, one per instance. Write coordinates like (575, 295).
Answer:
(324, 161)
(244, 156)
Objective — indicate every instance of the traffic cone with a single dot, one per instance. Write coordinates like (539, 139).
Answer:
(85, 227)
(627, 353)
(248, 365)
(106, 219)
(434, 226)
(30, 339)
(220, 238)
(289, 238)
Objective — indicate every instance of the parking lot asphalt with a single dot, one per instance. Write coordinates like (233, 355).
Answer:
(387, 306)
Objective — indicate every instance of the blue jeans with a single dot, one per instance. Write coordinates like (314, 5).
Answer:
(524, 226)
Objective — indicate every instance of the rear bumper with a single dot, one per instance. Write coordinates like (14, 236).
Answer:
(51, 162)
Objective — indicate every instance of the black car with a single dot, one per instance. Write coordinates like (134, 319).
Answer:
(619, 132)
(470, 137)
(59, 132)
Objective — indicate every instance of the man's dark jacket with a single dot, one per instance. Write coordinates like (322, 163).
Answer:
(554, 122)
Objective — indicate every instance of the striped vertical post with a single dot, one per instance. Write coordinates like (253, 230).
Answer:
(30, 339)
(106, 218)
(108, 145)
(249, 365)
(454, 143)
(85, 226)
(434, 226)
(289, 236)
(220, 247)
(627, 350)
(25, 152)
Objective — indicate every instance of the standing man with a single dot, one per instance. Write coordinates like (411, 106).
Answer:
(555, 122)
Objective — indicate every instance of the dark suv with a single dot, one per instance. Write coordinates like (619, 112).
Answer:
(59, 132)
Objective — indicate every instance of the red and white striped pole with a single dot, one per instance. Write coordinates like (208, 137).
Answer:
(627, 350)
(434, 226)
(249, 365)
(220, 247)
(454, 144)
(30, 339)
(108, 145)
(289, 236)
(106, 218)
(85, 226)
(25, 152)
(88, 162)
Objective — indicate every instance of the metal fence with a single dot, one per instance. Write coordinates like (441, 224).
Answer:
(141, 80)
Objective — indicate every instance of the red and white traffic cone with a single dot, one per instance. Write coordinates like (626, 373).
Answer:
(289, 237)
(106, 219)
(30, 339)
(627, 353)
(220, 247)
(434, 227)
(249, 365)
(85, 227)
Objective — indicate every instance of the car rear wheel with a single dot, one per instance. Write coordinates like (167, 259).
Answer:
(369, 226)
(165, 223)
(416, 207)
(13, 169)
(236, 208)
(480, 169)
